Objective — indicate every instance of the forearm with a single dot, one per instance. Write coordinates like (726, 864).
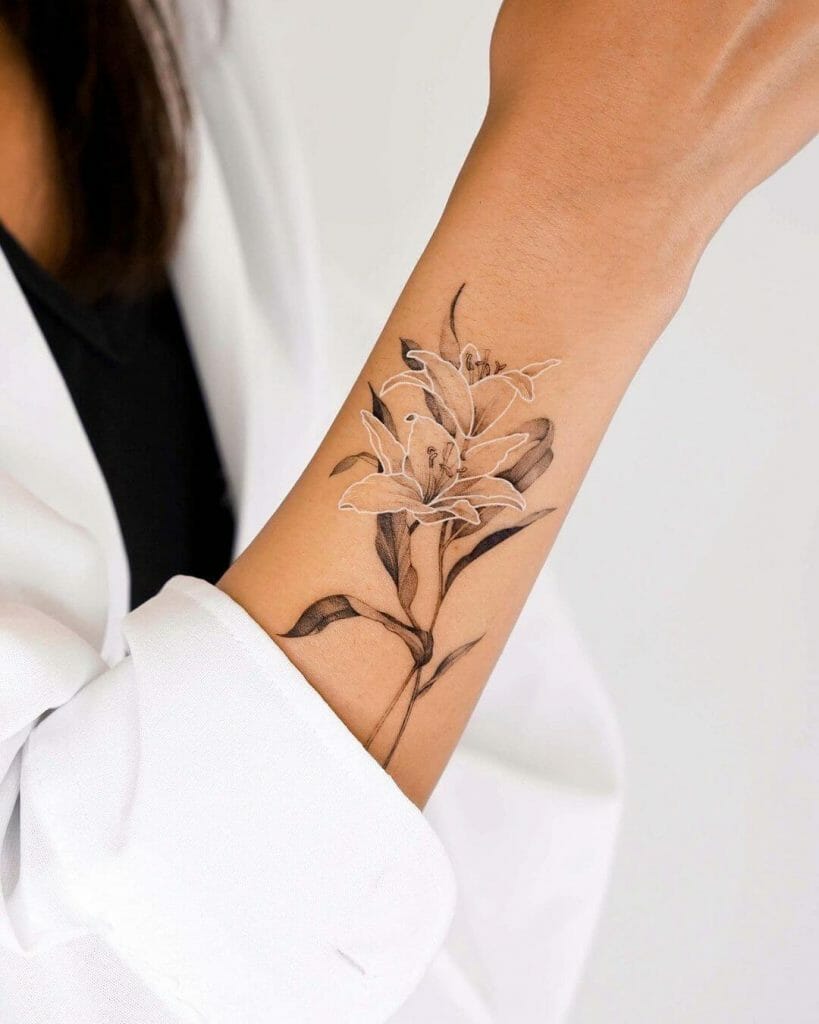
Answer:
(605, 164)
(529, 297)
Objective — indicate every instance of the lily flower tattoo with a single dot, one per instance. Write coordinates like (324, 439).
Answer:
(456, 460)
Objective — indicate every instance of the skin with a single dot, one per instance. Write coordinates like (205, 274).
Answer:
(617, 139)
(32, 200)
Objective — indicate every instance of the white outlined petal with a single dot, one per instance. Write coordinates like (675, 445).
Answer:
(470, 356)
(433, 458)
(487, 490)
(413, 378)
(383, 492)
(460, 508)
(521, 383)
(387, 448)
(492, 396)
(535, 369)
(449, 385)
(489, 457)
(434, 516)
(523, 380)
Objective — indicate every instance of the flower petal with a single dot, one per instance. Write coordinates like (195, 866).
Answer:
(415, 378)
(523, 380)
(521, 383)
(458, 509)
(470, 357)
(535, 369)
(449, 385)
(433, 458)
(488, 457)
(383, 492)
(389, 451)
(432, 518)
(492, 396)
(487, 490)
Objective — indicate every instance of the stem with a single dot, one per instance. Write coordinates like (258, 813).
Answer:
(443, 541)
(378, 725)
(406, 718)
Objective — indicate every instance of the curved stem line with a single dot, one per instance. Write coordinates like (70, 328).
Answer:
(405, 719)
(443, 541)
(379, 724)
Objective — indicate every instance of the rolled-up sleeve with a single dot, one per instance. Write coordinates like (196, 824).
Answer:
(203, 809)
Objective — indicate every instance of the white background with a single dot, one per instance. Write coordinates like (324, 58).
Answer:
(691, 559)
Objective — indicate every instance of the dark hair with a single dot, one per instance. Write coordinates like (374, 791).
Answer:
(110, 74)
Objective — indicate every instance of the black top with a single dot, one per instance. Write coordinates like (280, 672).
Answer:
(130, 375)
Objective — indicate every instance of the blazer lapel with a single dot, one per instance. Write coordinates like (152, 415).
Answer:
(44, 449)
(245, 284)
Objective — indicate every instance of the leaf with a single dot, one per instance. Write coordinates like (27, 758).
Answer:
(538, 467)
(490, 542)
(328, 610)
(535, 460)
(440, 413)
(447, 663)
(529, 466)
(392, 544)
(408, 587)
(350, 461)
(320, 615)
(381, 412)
(450, 345)
(408, 346)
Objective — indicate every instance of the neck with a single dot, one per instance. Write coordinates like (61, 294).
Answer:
(32, 202)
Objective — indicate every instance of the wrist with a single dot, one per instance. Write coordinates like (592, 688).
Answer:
(625, 247)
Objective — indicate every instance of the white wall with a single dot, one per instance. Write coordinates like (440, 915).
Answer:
(691, 559)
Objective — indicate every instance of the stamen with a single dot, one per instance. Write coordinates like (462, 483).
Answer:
(448, 470)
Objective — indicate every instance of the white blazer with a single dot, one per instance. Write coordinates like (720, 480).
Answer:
(188, 831)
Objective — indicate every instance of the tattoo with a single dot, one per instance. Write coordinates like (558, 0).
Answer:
(457, 461)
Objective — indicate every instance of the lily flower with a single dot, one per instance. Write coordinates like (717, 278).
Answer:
(475, 393)
(430, 477)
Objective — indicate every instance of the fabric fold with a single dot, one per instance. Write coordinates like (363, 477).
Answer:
(202, 808)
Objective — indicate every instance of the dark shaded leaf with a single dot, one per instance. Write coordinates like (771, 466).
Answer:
(447, 664)
(408, 346)
(392, 543)
(450, 345)
(538, 468)
(350, 461)
(535, 460)
(328, 610)
(321, 614)
(485, 516)
(440, 413)
(408, 587)
(490, 542)
(381, 412)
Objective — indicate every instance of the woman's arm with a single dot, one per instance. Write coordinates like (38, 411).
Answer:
(615, 143)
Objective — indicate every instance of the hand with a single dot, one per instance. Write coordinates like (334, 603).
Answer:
(646, 121)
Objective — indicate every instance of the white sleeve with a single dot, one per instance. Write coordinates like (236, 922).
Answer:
(201, 807)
